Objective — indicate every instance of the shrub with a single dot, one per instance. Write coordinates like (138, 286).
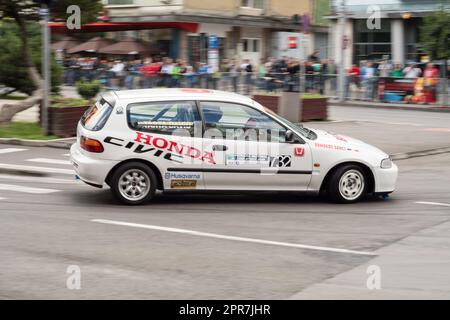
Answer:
(88, 89)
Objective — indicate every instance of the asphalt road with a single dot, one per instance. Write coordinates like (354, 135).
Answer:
(269, 246)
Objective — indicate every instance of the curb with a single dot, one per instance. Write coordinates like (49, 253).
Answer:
(391, 107)
(64, 143)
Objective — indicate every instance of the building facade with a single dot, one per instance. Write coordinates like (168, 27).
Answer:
(383, 29)
(240, 29)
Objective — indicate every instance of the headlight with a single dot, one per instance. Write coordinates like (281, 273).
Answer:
(386, 163)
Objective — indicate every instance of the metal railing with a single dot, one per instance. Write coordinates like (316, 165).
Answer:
(376, 89)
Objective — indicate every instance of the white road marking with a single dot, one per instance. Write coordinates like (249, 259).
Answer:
(36, 169)
(52, 161)
(233, 238)
(12, 187)
(66, 154)
(38, 179)
(10, 150)
(438, 129)
(434, 203)
(2, 198)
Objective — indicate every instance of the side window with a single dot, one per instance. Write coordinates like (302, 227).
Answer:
(240, 122)
(174, 117)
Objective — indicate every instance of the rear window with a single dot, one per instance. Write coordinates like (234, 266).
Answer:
(95, 117)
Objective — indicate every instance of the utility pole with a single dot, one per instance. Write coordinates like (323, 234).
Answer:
(342, 26)
(45, 14)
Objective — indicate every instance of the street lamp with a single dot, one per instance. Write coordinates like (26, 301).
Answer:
(44, 13)
(343, 45)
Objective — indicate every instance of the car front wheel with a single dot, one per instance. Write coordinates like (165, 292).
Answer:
(133, 183)
(348, 184)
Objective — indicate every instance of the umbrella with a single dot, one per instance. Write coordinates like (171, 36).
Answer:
(65, 44)
(128, 46)
(92, 45)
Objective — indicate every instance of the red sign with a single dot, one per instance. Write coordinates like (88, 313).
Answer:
(299, 152)
(292, 42)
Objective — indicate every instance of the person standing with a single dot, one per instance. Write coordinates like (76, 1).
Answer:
(431, 80)
(247, 69)
(412, 71)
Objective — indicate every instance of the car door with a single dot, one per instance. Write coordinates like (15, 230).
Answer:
(168, 134)
(250, 150)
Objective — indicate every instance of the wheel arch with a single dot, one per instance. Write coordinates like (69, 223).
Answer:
(160, 184)
(367, 170)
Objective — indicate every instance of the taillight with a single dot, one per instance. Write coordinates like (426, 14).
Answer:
(91, 145)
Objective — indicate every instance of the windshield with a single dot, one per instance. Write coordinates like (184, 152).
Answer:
(305, 132)
(96, 116)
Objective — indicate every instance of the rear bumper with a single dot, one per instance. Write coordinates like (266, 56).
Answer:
(386, 179)
(92, 171)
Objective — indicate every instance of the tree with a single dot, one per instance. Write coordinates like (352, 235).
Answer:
(14, 75)
(21, 12)
(435, 37)
(435, 34)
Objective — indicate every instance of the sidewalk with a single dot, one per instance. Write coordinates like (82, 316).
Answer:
(415, 267)
(397, 106)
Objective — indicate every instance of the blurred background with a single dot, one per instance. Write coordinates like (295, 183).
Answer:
(394, 52)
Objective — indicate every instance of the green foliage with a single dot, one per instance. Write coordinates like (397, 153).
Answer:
(321, 9)
(88, 89)
(435, 35)
(61, 102)
(13, 73)
(23, 130)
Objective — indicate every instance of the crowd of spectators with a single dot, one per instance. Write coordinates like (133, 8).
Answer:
(272, 74)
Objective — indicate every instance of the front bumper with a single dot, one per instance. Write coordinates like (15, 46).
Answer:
(90, 170)
(386, 179)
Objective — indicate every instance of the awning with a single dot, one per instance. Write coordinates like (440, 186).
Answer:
(60, 27)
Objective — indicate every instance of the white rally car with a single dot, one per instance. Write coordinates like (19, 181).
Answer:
(140, 141)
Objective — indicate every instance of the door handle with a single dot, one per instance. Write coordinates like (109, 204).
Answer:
(219, 147)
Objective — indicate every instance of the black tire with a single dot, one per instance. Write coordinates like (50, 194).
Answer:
(344, 193)
(143, 171)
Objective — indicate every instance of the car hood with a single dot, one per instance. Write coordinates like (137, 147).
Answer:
(329, 137)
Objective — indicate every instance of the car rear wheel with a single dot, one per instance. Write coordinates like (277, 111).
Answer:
(133, 183)
(348, 184)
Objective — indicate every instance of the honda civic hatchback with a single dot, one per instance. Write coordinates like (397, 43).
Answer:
(140, 141)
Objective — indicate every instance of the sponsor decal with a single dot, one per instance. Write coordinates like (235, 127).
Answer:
(330, 146)
(139, 148)
(260, 160)
(247, 159)
(340, 138)
(183, 184)
(183, 175)
(174, 147)
(165, 124)
(299, 152)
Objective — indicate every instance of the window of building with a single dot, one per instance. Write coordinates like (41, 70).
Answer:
(256, 4)
(372, 44)
(251, 45)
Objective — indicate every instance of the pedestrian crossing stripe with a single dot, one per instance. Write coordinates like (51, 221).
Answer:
(11, 150)
(24, 189)
(51, 161)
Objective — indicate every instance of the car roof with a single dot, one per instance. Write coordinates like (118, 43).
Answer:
(182, 93)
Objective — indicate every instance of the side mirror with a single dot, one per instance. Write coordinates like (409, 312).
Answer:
(290, 136)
